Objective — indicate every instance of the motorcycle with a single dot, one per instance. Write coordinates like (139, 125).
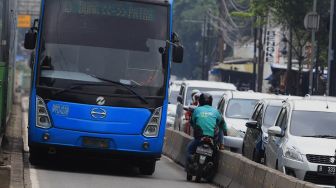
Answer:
(204, 163)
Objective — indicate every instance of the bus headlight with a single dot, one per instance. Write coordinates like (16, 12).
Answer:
(153, 126)
(42, 116)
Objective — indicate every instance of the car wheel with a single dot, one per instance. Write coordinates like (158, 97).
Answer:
(256, 156)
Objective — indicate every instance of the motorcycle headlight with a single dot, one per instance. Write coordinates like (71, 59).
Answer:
(42, 115)
(293, 153)
(153, 126)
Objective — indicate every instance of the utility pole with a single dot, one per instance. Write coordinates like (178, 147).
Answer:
(289, 63)
(331, 87)
(204, 46)
(255, 57)
(313, 42)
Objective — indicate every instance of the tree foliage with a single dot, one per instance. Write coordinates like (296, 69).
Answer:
(188, 23)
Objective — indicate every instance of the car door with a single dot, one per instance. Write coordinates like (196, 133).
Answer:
(256, 135)
(279, 141)
(248, 139)
(274, 142)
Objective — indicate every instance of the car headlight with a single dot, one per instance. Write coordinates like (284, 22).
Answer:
(153, 126)
(293, 153)
(42, 115)
(235, 133)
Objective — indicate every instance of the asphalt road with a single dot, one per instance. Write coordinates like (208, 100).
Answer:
(96, 174)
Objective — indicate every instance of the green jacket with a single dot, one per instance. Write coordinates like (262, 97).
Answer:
(208, 118)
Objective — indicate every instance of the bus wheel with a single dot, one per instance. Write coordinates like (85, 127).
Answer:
(35, 156)
(147, 168)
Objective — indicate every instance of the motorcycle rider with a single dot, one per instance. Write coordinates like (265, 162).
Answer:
(195, 101)
(206, 121)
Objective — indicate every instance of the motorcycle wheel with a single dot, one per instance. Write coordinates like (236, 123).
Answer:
(198, 179)
(189, 177)
(210, 178)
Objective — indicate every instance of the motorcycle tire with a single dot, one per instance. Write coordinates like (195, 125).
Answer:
(189, 177)
(198, 179)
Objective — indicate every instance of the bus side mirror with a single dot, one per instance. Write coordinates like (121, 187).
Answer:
(177, 49)
(30, 40)
(178, 53)
(31, 36)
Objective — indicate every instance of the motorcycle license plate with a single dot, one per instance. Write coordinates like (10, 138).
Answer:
(204, 151)
(327, 170)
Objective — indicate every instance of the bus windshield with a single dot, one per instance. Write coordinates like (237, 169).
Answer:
(83, 40)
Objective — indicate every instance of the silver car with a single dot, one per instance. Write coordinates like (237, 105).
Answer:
(303, 141)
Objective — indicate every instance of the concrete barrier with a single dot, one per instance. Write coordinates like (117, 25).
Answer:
(5, 172)
(234, 170)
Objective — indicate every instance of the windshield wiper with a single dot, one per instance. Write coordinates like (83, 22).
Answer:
(74, 86)
(123, 85)
(321, 136)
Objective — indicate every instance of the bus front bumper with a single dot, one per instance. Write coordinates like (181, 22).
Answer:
(118, 145)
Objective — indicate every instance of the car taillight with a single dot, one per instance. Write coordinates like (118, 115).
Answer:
(153, 126)
(42, 116)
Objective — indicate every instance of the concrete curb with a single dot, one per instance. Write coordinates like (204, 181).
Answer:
(234, 169)
(12, 174)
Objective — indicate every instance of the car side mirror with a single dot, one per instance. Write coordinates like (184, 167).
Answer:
(178, 52)
(275, 131)
(252, 124)
(179, 99)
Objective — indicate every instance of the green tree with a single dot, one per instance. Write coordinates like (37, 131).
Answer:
(290, 14)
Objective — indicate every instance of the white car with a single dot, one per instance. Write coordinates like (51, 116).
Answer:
(237, 108)
(174, 89)
(303, 141)
(184, 98)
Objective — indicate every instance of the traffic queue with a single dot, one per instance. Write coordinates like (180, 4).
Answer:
(295, 135)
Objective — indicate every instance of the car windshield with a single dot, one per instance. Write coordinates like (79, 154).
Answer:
(313, 124)
(270, 116)
(202, 89)
(240, 108)
(87, 44)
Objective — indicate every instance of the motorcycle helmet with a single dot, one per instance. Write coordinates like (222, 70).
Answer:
(205, 99)
(194, 91)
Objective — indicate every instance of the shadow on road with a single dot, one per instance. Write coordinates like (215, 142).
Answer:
(89, 166)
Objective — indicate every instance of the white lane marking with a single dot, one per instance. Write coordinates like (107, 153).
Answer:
(33, 178)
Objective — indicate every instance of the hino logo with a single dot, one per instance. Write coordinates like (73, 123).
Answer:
(98, 113)
(100, 101)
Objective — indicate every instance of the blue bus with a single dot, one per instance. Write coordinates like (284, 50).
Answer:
(101, 72)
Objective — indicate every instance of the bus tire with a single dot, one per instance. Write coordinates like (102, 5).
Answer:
(35, 156)
(147, 168)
